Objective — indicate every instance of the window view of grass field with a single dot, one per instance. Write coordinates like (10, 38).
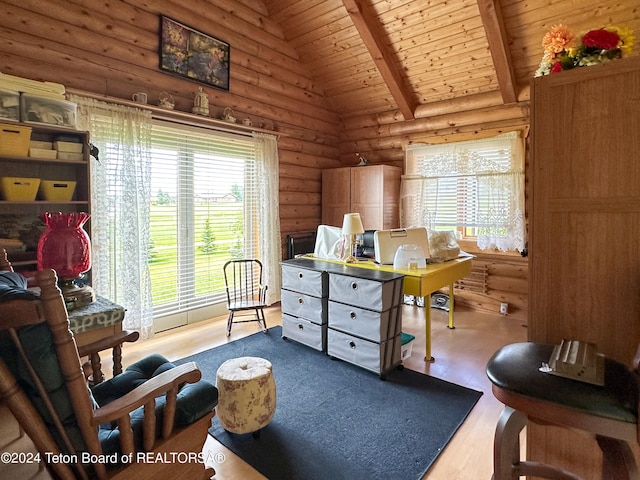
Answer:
(200, 214)
(218, 236)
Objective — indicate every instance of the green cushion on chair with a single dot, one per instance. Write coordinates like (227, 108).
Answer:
(194, 401)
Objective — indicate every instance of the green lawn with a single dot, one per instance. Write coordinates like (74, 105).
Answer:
(222, 241)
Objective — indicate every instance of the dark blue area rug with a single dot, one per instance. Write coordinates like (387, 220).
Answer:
(338, 421)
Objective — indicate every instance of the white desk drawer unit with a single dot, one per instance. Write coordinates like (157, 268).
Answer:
(303, 331)
(304, 304)
(304, 280)
(365, 319)
(377, 357)
(372, 294)
(353, 314)
(368, 324)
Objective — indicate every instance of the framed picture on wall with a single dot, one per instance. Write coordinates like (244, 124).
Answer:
(192, 54)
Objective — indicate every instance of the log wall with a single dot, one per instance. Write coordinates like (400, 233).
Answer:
(111, 48)
(496, 279)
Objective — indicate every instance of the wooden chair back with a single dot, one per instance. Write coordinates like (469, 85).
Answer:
(243, 281)
(49, 308)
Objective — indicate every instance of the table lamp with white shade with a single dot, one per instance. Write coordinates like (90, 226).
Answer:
(351, 226)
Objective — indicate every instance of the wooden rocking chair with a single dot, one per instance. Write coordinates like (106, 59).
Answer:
(151, 421)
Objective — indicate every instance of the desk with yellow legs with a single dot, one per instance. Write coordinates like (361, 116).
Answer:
(422, 282)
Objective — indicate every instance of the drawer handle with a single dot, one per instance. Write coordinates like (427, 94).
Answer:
(300, 326)
(352, 315)
(352, 344)
(300, 275)
(354, 285)
(300, 300)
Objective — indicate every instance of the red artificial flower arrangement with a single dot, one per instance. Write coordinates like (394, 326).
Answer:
(562, 52)
(601, 39)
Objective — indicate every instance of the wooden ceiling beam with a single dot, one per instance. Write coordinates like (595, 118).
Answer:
(491, 14)
(365, 23)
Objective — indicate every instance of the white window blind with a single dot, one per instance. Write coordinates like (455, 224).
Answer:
(203, 204)
(475, 188)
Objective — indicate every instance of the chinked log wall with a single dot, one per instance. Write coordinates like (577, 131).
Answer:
(111, 48)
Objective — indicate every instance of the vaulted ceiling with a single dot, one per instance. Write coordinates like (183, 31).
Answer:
(375, 56)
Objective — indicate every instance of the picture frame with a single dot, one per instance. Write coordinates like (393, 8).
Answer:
(197, 56)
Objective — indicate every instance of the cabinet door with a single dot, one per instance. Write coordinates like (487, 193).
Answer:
(375, 193)
(584, 240)
(336, 195)
(367, 195)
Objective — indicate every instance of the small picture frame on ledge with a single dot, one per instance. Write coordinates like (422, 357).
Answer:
(193, 54)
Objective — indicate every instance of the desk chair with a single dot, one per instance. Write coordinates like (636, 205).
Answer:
(153, 407)
(245, 292)
(609, 412)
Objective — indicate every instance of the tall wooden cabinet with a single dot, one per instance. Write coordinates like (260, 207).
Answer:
(372, 191)
(584, 211)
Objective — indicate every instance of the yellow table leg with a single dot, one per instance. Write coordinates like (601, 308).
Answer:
(427, 323)
(451, 325)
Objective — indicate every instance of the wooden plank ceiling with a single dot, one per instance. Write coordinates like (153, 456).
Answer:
(375, 56)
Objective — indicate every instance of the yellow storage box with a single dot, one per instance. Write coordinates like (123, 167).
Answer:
(57, 190)
(19, 189)
(14, 140)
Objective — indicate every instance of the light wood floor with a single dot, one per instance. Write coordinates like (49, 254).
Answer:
(460, 357)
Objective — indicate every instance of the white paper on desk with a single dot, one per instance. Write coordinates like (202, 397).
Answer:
(329, 243)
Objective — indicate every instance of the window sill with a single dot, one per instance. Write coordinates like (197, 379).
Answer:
(470, 246)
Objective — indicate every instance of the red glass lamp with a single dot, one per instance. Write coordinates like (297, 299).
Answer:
(66, 248)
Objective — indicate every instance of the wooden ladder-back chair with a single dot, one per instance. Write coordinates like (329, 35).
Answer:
(153, 407)
(91, 351)
(245, 292)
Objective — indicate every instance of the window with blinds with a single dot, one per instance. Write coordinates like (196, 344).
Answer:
(203, 195)
(474, 188)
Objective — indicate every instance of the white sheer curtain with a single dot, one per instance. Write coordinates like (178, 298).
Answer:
(475, 185)
(120, 197)
(267, 175)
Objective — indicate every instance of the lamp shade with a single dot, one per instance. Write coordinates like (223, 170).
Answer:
(352, 224)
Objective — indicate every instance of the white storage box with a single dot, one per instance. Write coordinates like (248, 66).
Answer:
(9, 105)
(376, 357)
(49, 111)
(41, 145)
(304, 306)
(74, 147)
(42, 153)
(72, 156)
(374, 294)
(305, 332)
(367, 324)
(311, 282)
